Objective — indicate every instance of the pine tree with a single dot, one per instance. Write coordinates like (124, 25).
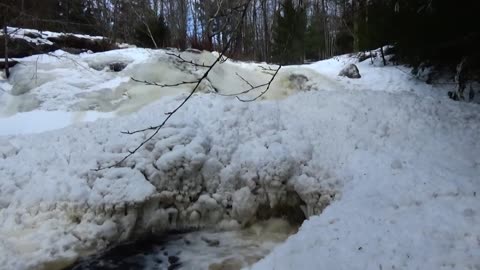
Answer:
(289, 34)
(157, 29)
(315, 36)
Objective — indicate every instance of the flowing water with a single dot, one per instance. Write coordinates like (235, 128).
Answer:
(212, 250)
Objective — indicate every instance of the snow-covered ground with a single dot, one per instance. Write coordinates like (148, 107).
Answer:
(397, 162)
(41, 37)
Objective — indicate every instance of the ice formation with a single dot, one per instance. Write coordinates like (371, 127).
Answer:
(399, 169)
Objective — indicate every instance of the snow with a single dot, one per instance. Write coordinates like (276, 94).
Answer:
(377, 77)
(41, 37)
(385, 167)
(40, 121)
(410, 201)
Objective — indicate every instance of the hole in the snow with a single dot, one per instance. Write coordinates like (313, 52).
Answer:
(275, 219)
(206, 249)
(288, 209)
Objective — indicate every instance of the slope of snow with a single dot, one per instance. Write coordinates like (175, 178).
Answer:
(398, 163)
(41, 121)
(412, 199)
(84, 83)
(377, 77)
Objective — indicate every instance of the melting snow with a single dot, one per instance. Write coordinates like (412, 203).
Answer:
(397, 161)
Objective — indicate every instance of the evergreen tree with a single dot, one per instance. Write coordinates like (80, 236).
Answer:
(157, 29)
(289, 34)
(76, 16)
(315, 37)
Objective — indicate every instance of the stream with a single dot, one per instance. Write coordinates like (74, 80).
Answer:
(204, 249)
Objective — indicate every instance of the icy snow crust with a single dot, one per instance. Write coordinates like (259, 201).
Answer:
(399, 169)
(41, 37)
(82, 88)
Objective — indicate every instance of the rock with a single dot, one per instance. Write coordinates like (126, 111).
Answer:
(71, 41)
(117, 67)
(20, 48)
(351, 71)
(173, 259)
(210, 242)
(112, 66)
(299, 81)
(174, 266)
(362, 56)
(73, 50)
(32, 35)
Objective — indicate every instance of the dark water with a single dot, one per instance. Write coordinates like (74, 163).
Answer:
(147, 253)
(212, 250)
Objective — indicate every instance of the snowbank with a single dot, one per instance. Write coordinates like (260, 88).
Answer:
(84, 83)
(411, 196)
(401, 184)
(399, 169)
(188, 176)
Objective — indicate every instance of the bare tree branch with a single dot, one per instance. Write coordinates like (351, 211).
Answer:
(164, 85)
(245, 80)
(265, 91)
(252, 87)
(183, 60)
(144, 22)
(170, 114)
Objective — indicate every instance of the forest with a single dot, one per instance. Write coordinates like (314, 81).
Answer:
(239, 134)
(431, 32)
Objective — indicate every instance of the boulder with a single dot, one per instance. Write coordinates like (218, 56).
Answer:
(74, 50)
(72, 41)
(362, 56)
(109, 66)
(350, 71)
(19, 48)
(117, 66)
(299, 81)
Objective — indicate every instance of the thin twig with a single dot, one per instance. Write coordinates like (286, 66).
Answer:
(266, 90)
(183, 60)
(170, 114)
(267, 68)
(243, 79)
(252, 87)
(164, 85)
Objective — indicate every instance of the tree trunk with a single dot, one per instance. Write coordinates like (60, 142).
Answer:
(115, 21)
(5, 36)
(326, 30)
(162, 12)
(356, 18)
(155, 7)
(266, 30)
(383, 56)
(255, 31)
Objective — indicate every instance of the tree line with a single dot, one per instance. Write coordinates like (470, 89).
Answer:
(281, 31)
